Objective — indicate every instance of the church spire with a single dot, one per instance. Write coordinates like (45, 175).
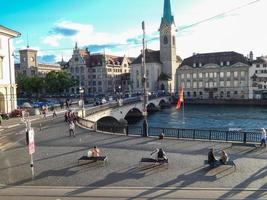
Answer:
(167, 13)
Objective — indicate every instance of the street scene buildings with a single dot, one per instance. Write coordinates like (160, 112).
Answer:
(104, 124)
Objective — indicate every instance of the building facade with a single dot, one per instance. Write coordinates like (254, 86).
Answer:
(161, 65)
(30, 66)
(258, 78)
(98, 73)
(221, 75)
(8, 94)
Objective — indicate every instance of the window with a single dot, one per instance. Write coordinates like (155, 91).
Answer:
(264, 65)
(76, 59)
(32, 72)
(235, 74)
(221, 94)
(211, 84)
(221, 63)
(182, 76)
(195, 94)
(207, 84)
(228, 74)
(188, 85)
(242, 73)
(215, 75)
(228, 93)
(228, 83)
(200, 75)
(200, 64)
(257, 65)
(173, 40)
(221, 74)
(165, 40)
(194, 64)
(194, 84)
(188, 76)
(82, 69)
(211, 75)
(194, 75)
(188, 94)
(1, 67)
(227, 63)
(215, 84)
(99, 83)
(221, 83)
(235, 92)
(235, 83)
(206, 75)
(77, 69)
(200, 84)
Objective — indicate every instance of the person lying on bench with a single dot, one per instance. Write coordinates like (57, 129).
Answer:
(224, 158)
(211, 158)
(160, 155)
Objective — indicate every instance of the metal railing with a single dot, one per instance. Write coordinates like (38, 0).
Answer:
(200, 134)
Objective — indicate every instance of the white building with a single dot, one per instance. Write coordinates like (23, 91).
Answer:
(8, 94)
(161, 65)
(220, 75)
(258, 78)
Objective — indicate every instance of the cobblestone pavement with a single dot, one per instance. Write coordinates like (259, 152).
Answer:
(55, 162)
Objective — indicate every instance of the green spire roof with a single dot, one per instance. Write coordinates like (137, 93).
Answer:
(167, 13)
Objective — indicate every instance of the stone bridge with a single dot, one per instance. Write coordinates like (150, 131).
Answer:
(119, 110)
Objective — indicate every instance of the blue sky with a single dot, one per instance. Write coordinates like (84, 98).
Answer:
(53, 26)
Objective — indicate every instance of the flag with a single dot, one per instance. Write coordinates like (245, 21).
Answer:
(180, 98)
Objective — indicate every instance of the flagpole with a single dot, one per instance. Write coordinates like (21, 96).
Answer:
(183, 112)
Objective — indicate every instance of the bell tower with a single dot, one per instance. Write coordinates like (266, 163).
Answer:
(168, 45)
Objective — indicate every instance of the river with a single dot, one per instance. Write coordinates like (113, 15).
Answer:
(219, 117)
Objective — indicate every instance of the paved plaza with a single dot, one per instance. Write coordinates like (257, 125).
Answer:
(55, 163)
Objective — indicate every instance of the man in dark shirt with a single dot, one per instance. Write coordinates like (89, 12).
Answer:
(211, 158)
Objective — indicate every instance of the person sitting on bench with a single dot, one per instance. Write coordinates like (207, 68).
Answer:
(224, 158)
(159, 155)
(211, 158)
(95, 152)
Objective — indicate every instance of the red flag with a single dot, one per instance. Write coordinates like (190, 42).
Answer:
(180, 98)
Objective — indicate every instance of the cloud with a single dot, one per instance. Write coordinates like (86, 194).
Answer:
(47, 59)
(65, 31)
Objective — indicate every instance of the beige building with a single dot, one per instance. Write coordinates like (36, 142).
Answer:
(258, 78)
(8, 95)
(221, 75)
(98, 73)
(161, 65)
(30, 66)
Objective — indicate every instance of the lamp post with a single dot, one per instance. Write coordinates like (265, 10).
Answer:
(145, 124)
(81, 90)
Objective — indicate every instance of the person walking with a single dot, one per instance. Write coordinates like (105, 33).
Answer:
(72, 128)
(54, 113)
(263, 138)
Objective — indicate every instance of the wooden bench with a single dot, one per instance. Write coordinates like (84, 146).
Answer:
(93, 159)
(218, 163)
(153, 161)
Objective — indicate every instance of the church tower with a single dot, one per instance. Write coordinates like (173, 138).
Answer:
(168, 46)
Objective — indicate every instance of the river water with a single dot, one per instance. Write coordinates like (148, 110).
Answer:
(219, 117)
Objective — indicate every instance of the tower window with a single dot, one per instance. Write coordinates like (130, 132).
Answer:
(173, 40)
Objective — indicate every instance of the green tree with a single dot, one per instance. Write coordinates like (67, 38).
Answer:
(57, 82)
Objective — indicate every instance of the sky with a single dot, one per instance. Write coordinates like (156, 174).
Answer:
(114, 26)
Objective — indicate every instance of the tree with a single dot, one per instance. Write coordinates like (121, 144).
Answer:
(57, 82)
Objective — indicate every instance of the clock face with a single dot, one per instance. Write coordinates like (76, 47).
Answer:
(32, 59)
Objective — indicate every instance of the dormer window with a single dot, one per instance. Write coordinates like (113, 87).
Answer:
(222, 64)
(194, 64)
(200, 64)
(228, 63)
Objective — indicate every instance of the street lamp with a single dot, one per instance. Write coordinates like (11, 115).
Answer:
(145, 124)
(81, 91)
